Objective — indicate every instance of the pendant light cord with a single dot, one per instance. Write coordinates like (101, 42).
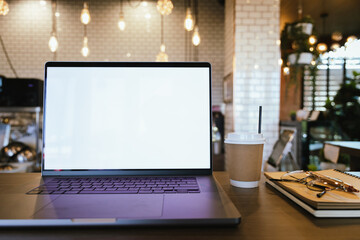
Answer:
(54, 25)
(162, 29)
(54, 9)
(7, 57)
(196, 13)
(121, 8)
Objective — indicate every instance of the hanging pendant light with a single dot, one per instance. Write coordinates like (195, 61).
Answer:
(4, 7)
(351, 38)
(162, 56)
(85, 51)
(121, 22)
(53, 43)
(322, 47)
(85, 14)
(189, 22)
(164, 7)
(196, 36)
(312, 40)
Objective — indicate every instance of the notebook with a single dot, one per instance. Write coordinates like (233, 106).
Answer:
(335, 203)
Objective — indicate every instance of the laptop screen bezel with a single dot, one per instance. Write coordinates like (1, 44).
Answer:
(127, 172)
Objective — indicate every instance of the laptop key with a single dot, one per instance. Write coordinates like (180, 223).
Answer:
(108, 192)
(46, 192)
(71, 192)
(170, 191)
(58, 192)
(158, 191)
(182, 191)
(188, 188)
(145, 192)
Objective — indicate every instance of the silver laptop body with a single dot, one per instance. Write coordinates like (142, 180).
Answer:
(105, 120)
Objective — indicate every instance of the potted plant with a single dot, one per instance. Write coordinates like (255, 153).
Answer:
(293, 115)
(296, 50)
(295, 46)
(344, 110)
(305, 25)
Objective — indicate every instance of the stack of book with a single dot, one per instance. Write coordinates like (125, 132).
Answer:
(335, 203)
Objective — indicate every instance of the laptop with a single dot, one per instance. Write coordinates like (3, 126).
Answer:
(123, 144)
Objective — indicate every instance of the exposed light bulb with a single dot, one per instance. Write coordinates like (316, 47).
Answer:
(57, 14)
(312, 40)
(4, 7)
(321, 47)
(162, 48)
(311, 49)
(85, 14)
(121, 23)
(164, 7)
(313, 62)
(286, 70)
(196, 37)
(335, 46)
(189, 22)
(351, 39)
(280, 62)
(162, 56)
(53, 43)
(336, 36)
(85, 51)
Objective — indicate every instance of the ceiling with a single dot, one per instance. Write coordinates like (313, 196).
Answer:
(343, 15)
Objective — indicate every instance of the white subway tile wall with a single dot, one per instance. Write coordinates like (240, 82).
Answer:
(26, 32)
(256, 71)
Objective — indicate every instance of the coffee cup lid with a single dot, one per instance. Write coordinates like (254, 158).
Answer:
(245, 138)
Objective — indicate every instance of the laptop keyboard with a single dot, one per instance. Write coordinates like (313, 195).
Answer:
(119, 185)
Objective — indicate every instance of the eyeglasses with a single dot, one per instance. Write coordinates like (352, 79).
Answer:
(317, 182)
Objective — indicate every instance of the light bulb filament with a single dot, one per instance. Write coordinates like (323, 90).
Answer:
(121, 23)
(85, 14)
(196, 37)
(189, 22)
(53, 43)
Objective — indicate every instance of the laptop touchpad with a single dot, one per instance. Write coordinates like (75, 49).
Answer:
(103, 206)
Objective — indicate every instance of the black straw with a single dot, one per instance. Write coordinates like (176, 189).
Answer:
(260, 112)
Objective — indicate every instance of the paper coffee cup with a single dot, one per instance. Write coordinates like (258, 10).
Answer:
(244, 152)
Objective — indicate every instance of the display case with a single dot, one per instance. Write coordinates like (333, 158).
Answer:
(25, 128)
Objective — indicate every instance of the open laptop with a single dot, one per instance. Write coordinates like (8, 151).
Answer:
(125, 144)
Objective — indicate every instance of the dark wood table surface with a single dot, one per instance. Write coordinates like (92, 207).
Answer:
(266, 214)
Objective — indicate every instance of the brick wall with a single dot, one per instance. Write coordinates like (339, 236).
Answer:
(256, 69)
(26, 32)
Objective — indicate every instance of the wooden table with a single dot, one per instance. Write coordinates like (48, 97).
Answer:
(266, 215)
(352, 148)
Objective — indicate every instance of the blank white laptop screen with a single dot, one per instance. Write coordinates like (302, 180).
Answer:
(127, 118)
